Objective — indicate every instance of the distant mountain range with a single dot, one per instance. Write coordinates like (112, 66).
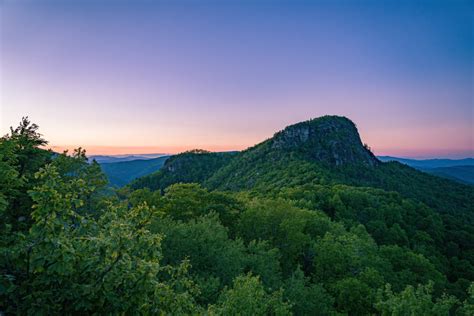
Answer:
(430, 163)
(121, 171)
(120, 158)
(461, 170)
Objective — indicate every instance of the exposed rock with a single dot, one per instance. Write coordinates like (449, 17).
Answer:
(331, 139)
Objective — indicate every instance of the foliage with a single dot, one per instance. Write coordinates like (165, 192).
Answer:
(268, 231)
(413, 301)
(308, 298)
(248, 297)
(188, 167)
(20, 157)
(72, 263)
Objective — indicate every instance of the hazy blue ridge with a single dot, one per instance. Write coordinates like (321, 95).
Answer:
(430, 163)
(119, 158)
(123, 172)
(463, 174)
(122, 169)
(460, 170)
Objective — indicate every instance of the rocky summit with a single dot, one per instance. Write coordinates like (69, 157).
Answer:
(331, 139)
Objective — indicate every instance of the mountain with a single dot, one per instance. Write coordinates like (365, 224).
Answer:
(302, 153)
(430, 163)
(464, 174)
(190, 166)
(330, 139)
(461, 170)
(322, 165)
(322, 151)
(119, 158)
(123, 172)
(328, 150)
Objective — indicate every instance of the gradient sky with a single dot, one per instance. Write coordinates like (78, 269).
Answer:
(165, 76)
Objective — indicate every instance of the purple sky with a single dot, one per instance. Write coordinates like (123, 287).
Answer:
(165, 76)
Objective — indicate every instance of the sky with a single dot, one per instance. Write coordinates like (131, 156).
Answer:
(141, 76)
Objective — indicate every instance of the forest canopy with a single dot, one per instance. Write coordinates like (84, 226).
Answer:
(294, 238)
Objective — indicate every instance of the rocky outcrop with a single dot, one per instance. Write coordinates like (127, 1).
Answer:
(331, 139)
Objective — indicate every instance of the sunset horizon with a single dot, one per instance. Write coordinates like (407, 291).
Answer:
(414, 153)
(129, 77)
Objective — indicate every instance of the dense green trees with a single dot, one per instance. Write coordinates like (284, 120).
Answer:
(75, 262)
(248, 297)
(415, 301)
(191, 166)
(70, 245)
(20, 156)
(79, 253)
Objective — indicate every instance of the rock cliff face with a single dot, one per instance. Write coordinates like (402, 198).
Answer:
(331, 139)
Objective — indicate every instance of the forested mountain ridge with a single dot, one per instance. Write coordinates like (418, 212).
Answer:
(273, 230)
(326, 150)
(460, 170)
(430, 163)
(330, 140)
(188, 167)
(463, 174)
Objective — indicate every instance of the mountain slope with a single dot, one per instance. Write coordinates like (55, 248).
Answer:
(326, 150)
(429, 163)
(460, 170)
(119, 158)
(464, 174)
(295, 157)
(322, 165)
(307, 152)
(123, 172)
(191, 166)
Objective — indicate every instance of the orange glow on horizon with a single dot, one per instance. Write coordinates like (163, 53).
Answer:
(415, 153)
(122, 150)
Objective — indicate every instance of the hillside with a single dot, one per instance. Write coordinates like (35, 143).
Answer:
(460, 170)
(127, 157)
(430, 163)
(334, 154)
(326, 150)
(323, 165)
(191, 166)
(123, 172)
(464, 174)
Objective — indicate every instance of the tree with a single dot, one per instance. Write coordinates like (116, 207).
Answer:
(248, 297)
(353, 296)
(468, 304)
(212, 254)
(307, 298)
(404, 267)
(287, 228)
(263, 260)
(20, 157)
(187, 201)
(413, 301)
(344, 255)
(27, 142)
(70, 262)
